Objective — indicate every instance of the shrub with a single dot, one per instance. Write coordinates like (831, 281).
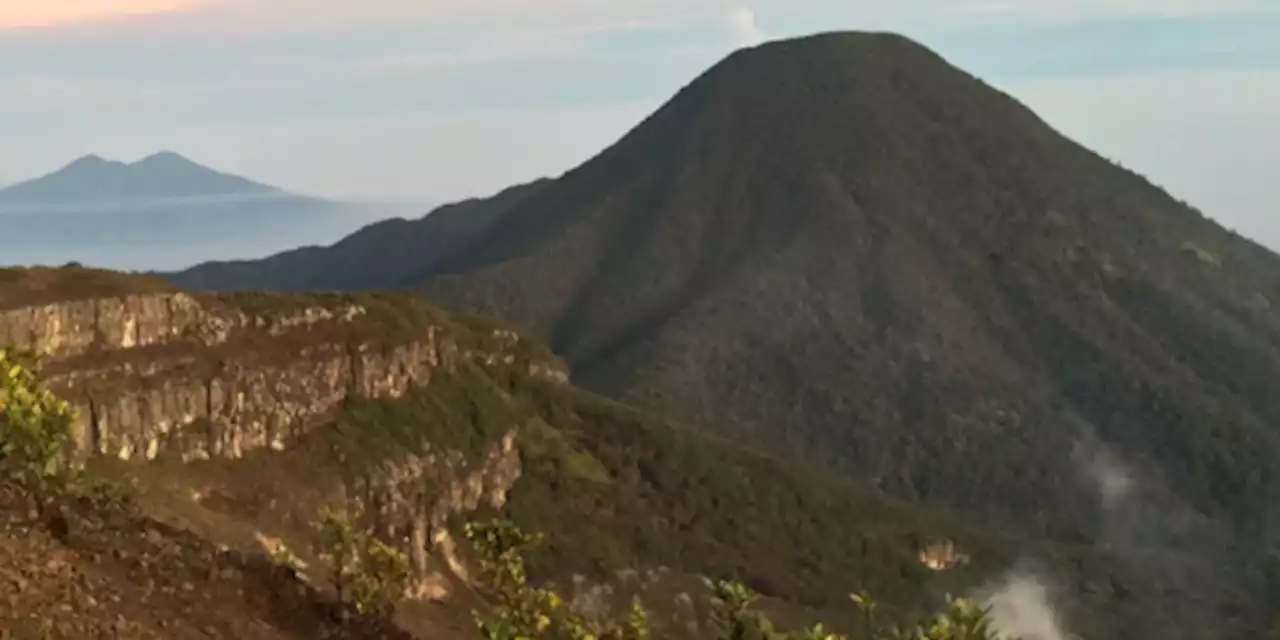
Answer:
(542, 443)
(368, 574)
(962, 620)
(34, 432)
(521, 611)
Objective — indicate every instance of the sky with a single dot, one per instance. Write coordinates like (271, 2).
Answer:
(436, 100)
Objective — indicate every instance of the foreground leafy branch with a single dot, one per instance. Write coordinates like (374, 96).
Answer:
(520, 611)
(962, 620)
(368, 574)
(523, 611)
(34, 432)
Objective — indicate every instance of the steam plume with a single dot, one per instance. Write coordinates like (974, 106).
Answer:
(1021, 607)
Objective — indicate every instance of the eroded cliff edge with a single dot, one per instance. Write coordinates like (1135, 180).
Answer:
(219, 375)
(247, 380)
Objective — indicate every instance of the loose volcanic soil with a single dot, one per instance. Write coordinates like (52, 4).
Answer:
(104, 571)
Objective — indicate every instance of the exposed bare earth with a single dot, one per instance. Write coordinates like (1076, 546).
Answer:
(110, 573)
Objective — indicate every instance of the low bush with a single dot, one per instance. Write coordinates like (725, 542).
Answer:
(521, 611)
(368, 574)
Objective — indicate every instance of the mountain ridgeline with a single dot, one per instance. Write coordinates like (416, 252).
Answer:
(845, 248)
(161, 175)
(404, 249)
(163, 211)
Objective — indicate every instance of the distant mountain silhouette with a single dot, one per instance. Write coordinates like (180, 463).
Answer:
(163, 211)
(162, 175)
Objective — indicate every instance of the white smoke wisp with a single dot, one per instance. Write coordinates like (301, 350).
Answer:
(1112, 480)
(1109, 477)
(1020, 607)
(745, 26)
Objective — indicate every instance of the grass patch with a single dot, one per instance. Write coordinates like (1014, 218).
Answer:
(1203, 255)
(22, 287)
(542, 443)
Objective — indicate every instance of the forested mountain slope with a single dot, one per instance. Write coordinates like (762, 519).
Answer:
(844, 244)
(845, 248)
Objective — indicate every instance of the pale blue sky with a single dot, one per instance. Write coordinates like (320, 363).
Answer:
(436, 100)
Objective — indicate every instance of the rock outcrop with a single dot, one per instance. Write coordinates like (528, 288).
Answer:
(221, 375)
(412, 497)
(228, 376)
(943, 555)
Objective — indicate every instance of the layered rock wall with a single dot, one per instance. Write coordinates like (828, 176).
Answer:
(214, 376)
(242, 406)
(198, 377)
(72, 328)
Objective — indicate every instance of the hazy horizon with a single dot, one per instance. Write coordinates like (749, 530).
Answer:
(168, 234)
(442, 100)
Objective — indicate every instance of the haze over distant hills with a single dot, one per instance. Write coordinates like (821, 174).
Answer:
(92, 179)
(376, 256)
(163, 211)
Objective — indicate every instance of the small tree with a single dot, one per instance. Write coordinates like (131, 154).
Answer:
(521, 611)
(368, 573)
(962, 620)
(34, 432)
(337, 546)
(736, 620)
(867, 605)
(732, 614)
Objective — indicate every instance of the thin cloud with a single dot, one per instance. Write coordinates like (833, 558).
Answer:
(273, 16)
(326, 13)
(500, 45)
(182, 22)
(248, 16)
(418, 62)
(50, 13)
(1057, 11)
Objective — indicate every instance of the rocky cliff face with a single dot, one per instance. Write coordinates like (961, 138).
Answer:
(413, 497)
(204, 376)
(408, 501)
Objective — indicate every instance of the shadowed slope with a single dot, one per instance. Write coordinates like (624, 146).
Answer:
(380, 255)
